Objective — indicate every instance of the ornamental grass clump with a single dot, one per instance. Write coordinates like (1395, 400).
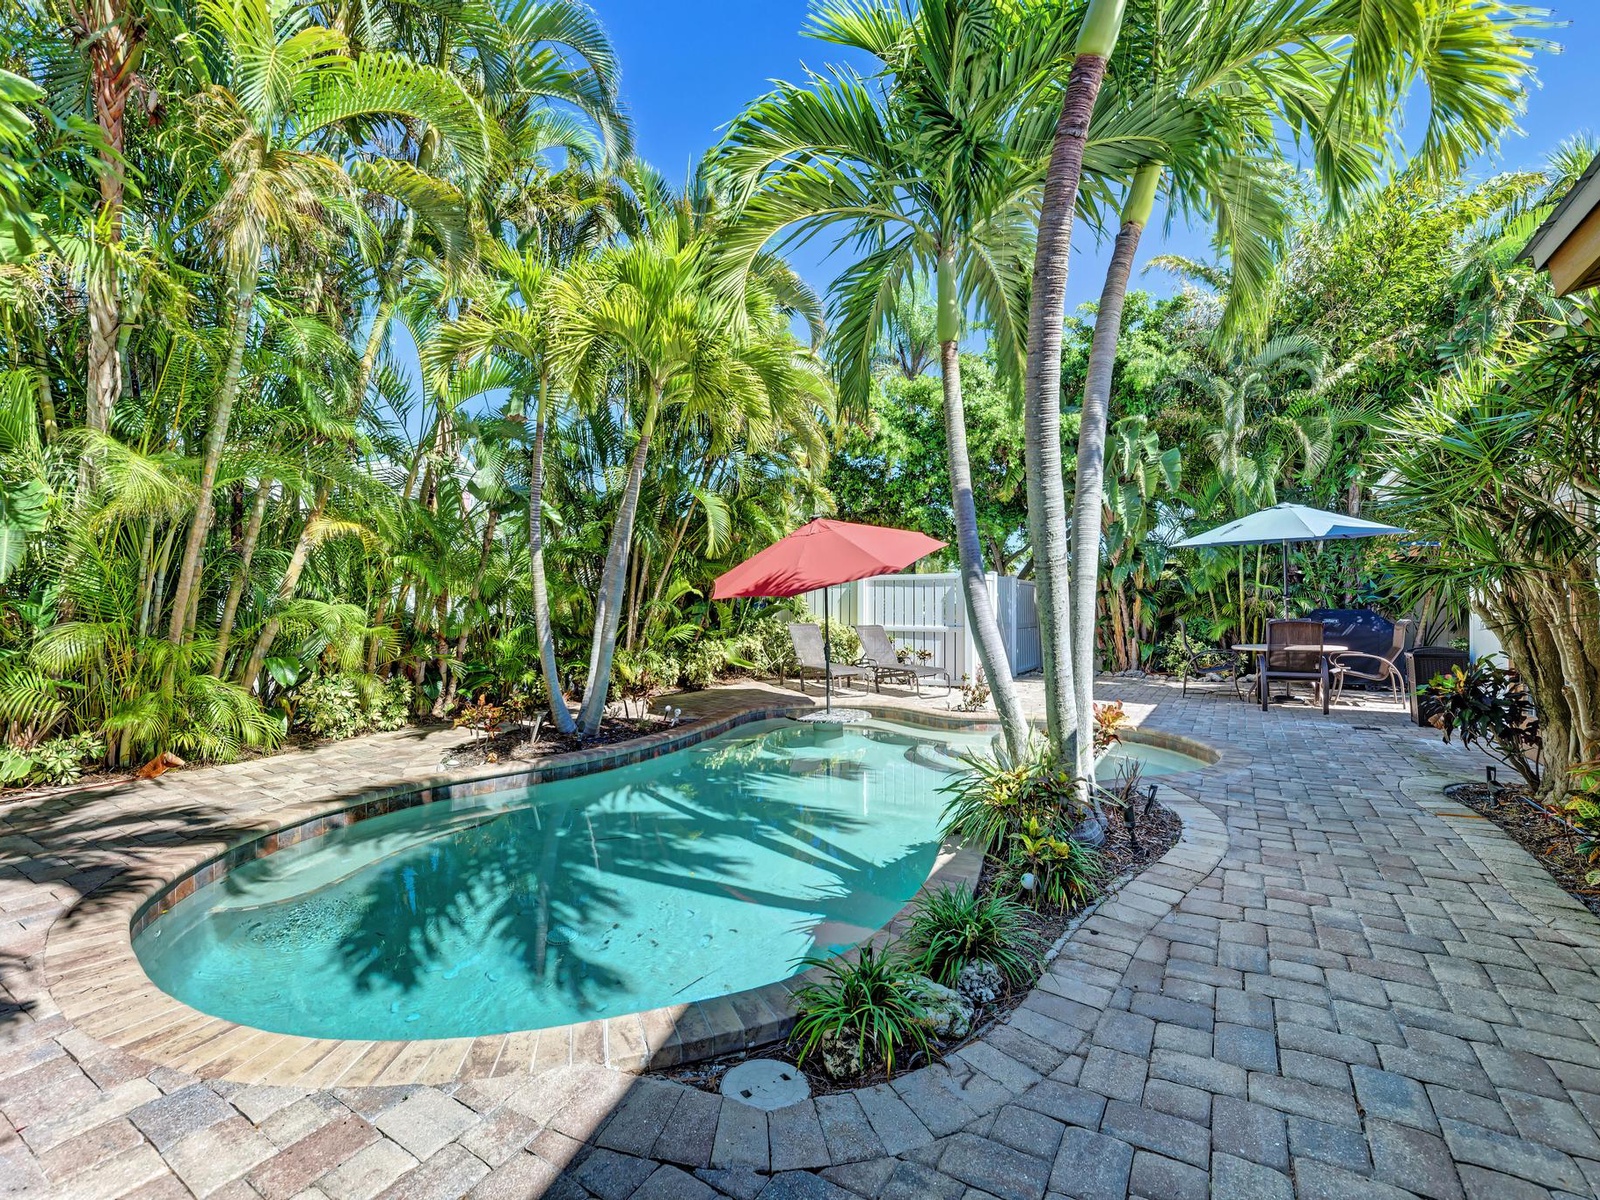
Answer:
(864, 1013)
(952, 927)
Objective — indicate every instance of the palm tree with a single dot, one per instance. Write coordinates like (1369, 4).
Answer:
(931, 173)
(520, 325)
(646, 331)
(286, 87)
(1281, 53)
(1232, 61)
(1041, 394)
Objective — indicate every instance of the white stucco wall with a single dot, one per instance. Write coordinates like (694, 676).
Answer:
(1480, 642)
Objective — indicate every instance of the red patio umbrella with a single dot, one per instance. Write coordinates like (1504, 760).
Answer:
(820, 554)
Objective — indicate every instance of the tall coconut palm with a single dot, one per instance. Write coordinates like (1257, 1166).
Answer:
(545, 75)
(1256, 69)
(930, 170)
(283, 89)
(1041, 391)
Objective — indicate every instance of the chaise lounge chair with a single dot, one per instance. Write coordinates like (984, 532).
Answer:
(878, 653)
(809, 649)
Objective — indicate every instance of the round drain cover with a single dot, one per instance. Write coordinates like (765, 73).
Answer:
(766, 1083)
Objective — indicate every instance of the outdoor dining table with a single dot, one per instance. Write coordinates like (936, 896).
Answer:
(1259, 651)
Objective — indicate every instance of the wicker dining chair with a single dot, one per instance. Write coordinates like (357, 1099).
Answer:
(1306, 663)
(1387, 668)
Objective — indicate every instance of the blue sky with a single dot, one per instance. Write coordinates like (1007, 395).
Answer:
(689, 65)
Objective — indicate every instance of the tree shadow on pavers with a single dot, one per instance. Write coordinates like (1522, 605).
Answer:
(91, 851)
(14, 967)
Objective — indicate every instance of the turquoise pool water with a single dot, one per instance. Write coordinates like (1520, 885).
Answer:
(703, 872)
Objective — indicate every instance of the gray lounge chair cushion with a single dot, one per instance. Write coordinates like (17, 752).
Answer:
(809, 648)
(878, 650)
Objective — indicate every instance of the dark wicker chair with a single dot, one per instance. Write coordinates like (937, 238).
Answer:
(1204, 662)
(1307, 665)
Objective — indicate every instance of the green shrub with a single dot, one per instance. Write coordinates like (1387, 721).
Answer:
(15, 765)
(331, 707)
(1489, 708)
(339, 705)
(1582, 809)
(390, 707)
(765, 643)
(1051, 870)
(994, 796)
(703, 662)
(845, 642)
(864, 1010)
(59, 761)
(952, 927)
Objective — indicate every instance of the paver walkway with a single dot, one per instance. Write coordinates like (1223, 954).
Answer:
(1339, 985)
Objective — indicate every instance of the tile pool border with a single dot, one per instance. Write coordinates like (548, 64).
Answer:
(96, 979)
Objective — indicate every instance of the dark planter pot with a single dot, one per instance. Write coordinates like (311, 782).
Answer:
(1427, 662)
(1091, 831)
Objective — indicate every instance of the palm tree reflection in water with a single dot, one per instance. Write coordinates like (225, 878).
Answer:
(708, 870)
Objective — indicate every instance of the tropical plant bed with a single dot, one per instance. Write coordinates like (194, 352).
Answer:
(513, 745)
(1158, 830)
(1541, 835)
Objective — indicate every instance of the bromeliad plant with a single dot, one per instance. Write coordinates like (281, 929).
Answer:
(952, 927)
(863, 1008)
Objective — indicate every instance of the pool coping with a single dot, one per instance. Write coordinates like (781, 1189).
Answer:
(96, 979)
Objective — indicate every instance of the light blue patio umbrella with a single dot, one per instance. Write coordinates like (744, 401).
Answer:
(1285, 523)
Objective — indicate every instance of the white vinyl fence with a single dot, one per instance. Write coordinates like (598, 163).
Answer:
(926, 612)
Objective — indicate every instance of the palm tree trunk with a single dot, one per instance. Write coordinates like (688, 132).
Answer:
(286, 587)
(981, 620)
(43, 399)
(380, 613)
(113, 60)
(247, 550)
(216, 440)
(608, 608)
(1047, 503)
(473, 592)
(1089, 497)
(559, 712)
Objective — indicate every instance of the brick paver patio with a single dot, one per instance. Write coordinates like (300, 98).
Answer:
(1338, 985)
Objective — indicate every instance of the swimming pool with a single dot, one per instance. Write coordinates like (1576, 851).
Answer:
(703, 872)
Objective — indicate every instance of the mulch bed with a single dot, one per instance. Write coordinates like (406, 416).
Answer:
(1548, 840)
(513, 745)
(1158, 831)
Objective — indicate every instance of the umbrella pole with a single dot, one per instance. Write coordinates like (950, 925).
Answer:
(1285, 601)
(827, 652)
